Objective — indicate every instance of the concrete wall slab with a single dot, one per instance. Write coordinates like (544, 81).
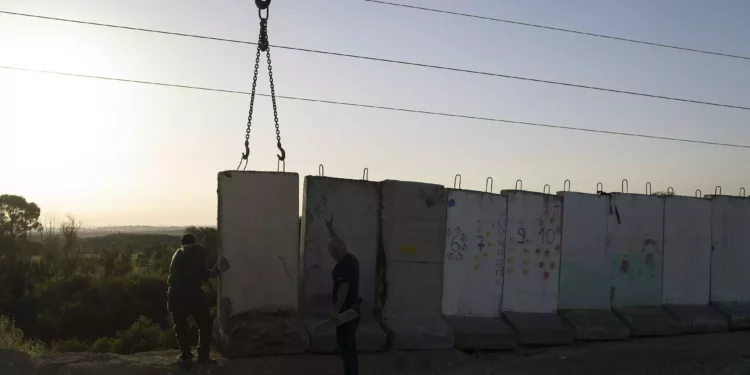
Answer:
(687, 251)
(532, 256)
(474, 253)
(635, 232)
(586, 270)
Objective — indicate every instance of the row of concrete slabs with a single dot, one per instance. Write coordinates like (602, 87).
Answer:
(442, 268)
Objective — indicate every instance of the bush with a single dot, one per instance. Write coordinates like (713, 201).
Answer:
(11, 337)
(73, 345)
(104, 345)
(144, 335)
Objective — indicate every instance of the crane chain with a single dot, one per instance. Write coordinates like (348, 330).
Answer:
(263, 46)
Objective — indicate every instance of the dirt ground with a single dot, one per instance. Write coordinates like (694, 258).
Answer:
(715, 354)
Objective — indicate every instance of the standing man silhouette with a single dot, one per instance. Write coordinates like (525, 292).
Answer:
(345, 296)
(185, 298)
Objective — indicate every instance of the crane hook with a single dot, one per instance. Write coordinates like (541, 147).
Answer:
(281, 157)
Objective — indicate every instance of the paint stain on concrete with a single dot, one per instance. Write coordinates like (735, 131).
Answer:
(546, 275)
(624, 266)
(451, 202)
(286, 271)
(650, 259)
(408, 249)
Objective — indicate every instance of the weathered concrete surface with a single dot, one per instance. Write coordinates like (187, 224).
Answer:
(698, 318)
(596, 325)
(413, 233)
(473, 270)
(355, 205)
(258, 295)
(648, 320)
(481, 333)
(584, 298)
(738, 313)
(370, 336)
(540, 328)
(532, 260)
(687, 251)
(730, 289)
(418, 332)
(474, 254)
(635, 232)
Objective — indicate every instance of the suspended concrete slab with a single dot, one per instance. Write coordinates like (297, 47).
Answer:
(355, 205)
(258, 295)
(584, 298)
(532, 266)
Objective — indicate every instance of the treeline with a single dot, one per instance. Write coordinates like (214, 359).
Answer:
(59, 292)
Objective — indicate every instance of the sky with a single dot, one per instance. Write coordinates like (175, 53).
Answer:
(114, 153)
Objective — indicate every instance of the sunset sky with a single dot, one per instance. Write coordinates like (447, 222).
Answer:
(116, 153)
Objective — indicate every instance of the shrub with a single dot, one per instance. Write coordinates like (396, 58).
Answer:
(73, 345)
(104, 345)
(11, 337)
(144, 335)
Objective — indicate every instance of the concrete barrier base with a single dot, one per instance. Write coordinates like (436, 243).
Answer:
(738, 313)
(370, 337)
(260, 334)
(540, 328)
(698, 318)
(478, 333)
(420, 332)
(648, 320)
(596, 325)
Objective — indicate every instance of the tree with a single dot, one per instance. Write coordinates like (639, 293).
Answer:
(17, 216)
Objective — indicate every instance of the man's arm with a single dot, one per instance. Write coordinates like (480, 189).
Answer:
(329, 225)
(340, 299)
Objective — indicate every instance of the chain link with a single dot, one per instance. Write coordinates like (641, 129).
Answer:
(263, 45)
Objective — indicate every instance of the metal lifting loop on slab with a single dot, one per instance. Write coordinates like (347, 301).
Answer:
(488, 184)
(321, 170)
(280, 166)
(624, 186)
(670, 190)
(366, 174)
(457, 180)
(519, 184)
(742, 192)
(717, 190)
(566, 185)
(698, 193)
(547, 189)
(599, 187)
(648, 188)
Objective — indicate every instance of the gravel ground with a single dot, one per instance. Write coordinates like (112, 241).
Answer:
(715, 354)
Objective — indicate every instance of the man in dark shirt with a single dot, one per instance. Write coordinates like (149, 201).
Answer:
(185, 298)
(345, 297)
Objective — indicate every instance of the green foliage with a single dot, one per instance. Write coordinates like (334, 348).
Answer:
(18, 216)
(103, 294)
(11, 337)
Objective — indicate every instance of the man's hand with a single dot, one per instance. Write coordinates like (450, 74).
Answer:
(329, 225)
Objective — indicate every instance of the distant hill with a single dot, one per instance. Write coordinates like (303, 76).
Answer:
(137, 241)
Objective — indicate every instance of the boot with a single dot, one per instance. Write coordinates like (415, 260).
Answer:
(185, 360)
